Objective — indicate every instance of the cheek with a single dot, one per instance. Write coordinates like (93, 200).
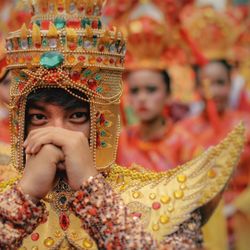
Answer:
(157, 99)
(85, 128)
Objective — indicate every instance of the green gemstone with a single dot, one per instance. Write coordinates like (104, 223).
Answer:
(99, 90)
(51, 60)
(99, 24)
(104, 144)
(38, 23)
(30, 41)
(45, 42)
(63, 39)
(98, 77)
(80, 42)
(103, 133)
(87, 72)
(85, 21)
(60, 23)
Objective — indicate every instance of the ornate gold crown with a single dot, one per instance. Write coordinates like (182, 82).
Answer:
(66, 46)
(152, 45)
(212, 31)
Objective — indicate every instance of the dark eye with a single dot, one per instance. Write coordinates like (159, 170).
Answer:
(134, 91)
(37, 119)
(151, 89)
(79, 117)
(221, 82)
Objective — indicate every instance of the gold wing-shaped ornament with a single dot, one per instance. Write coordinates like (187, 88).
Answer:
(166, 200)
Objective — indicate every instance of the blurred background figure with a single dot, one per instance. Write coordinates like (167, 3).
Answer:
(153, 142)
(216, 34)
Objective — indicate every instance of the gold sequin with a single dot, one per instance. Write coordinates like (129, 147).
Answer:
(178, 194)
(181, 178)
(170, 208)
(136, 195)
(211, 173)
(155, 227)
(152, 196)
(49, 242)
(87, 243)
(164, 219)
(165, 199)
(34, 248)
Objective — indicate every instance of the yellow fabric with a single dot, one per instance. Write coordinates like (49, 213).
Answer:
(242, 221)
(215, 231)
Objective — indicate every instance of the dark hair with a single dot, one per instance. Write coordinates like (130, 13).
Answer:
(56, 96)
(167, 80)
(223, 62)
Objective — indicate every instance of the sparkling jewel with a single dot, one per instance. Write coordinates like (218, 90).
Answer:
(35, 236)
(24, 44)
(87, 44)
(9, 45)
(49, 242)
(85, 21)
(156, 205)
(64, 221)
(51, 60)
(75, 75)
(178, 194)
(70, 58)
(155, 227)
(165, 199)
(81, 58)
(53, 43)
(45, 25)
(152, 196)
(75, 24)
(136, 194)
(164, 219)
(87, 243)
(181, 178)
(60, 23)
(212, 173)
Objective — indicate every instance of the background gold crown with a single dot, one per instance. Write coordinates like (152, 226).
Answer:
(152, 44)
(212, 31)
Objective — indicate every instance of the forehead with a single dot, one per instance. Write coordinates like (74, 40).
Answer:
(144, 77)
(214, 69)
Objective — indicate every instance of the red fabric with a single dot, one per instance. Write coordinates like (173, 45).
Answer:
(162, 154)
(201, 129)
(4, 131)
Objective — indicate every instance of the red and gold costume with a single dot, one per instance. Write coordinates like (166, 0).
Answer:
(216, 35)
(166, 152)
(157, 155)
(119, 208)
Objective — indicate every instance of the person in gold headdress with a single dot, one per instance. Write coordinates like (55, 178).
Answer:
(213, 82)
(64, 105)
(153, 143)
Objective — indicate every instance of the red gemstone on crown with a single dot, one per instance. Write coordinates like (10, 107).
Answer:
(75, 24)
(45, 24)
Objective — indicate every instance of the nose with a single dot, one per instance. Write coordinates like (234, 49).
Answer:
(57, 122)
(142, 96)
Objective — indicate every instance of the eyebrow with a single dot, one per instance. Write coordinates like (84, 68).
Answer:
(67, 108)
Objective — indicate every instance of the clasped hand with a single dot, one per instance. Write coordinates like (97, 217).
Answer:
(50, 149)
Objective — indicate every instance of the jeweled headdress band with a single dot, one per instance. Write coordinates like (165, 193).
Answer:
(66, 46)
